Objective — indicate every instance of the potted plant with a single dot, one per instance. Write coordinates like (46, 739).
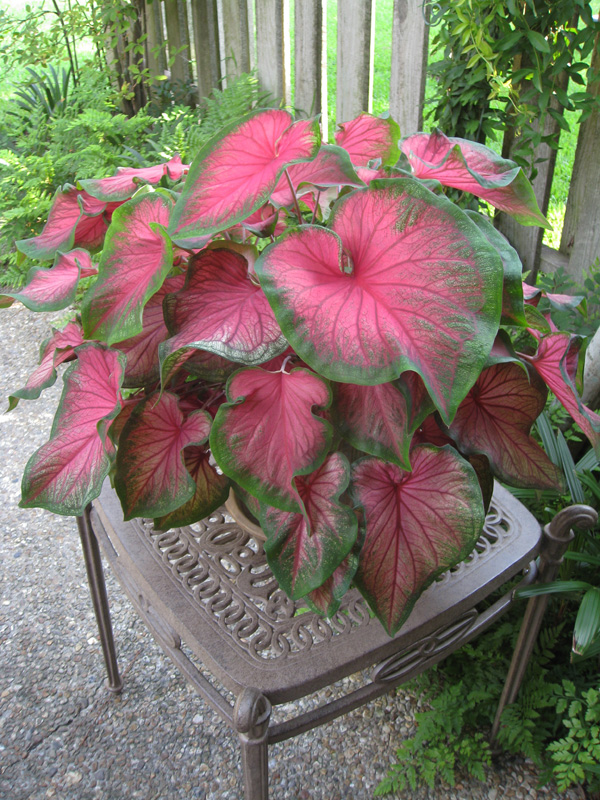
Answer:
(318, 325)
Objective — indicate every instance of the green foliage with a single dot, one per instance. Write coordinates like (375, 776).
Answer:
(504, 62)
(576, 757)
(44, 91)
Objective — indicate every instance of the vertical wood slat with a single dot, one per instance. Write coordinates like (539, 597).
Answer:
(581, 230)
(234, 33)
(154, 38)
(206, 45)
(410, 38)
(178, 38)
(273, 58)
(310, 59)
(355, 42)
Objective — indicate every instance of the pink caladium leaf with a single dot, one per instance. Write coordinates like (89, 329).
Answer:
(331, 167)
(415, 286)
(326, 599)
(67, 473)
(142, 350)
(303, 550)
(151, 478)
(136, 259)
(430, 432)
(234, 174)
(368, 138)
(58, 348)
(418, 524)
(127, 180)
(513, 312)
(557, 361)
(221, 310)
(267, 433)
(375, 419)
(55, 288)
(211, 491)
(474, 168)
(495, 420)
(68, 212)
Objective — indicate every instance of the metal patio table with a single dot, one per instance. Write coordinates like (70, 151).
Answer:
(207, 595)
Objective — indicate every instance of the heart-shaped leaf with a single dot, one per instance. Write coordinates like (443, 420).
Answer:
(375, 419)
(211, 491)
(127, 180)
(151, 478)
(557, 361)
(67, 473)
(54, 288)
(59, 348)
(234, 173)
(267, 433)
(368, 138)
(331, 167)
(136, 259)
(474, 168)
(303, 550)
(326, 599)
(142, 350)
(495, 419)
(418, 524)
(68, 215)
(414, 286)
(221, 310)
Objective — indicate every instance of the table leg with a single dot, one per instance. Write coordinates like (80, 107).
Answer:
(95, 576)
(251, 717)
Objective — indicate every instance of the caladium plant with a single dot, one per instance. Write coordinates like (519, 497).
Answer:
(316, 325)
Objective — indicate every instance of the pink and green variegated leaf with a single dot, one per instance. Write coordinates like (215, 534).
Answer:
(209, 367)
(151, 478)
(127, 180)
(142, 350)
(234, 174)
(557, 361)
(418, 524)
(474, 168)
(415, 286)
(55, 288)
(420, 404)
(495, 419)
(430, 432)
(512, 291)
(267, 434)
(303, 550)
(67, 473)
(135, 261)
(59, 231)
(375, 419)
(327, 598)
(331, 167)
(221, 310)
(367, 138)
(210, 493)
(58, 348)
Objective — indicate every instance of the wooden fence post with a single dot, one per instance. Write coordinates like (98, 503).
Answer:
(355, 39)
(206, 46)
(310, 59)
(154, 47)
(410, 38)
(234, 32)
(273, 57)
(581, 230)
(178, 37)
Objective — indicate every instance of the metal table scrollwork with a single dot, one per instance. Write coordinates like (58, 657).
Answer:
(207, 589)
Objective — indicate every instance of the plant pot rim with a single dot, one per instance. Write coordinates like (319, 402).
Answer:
(235, 508)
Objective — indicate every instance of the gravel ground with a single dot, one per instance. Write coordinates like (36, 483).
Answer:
(62, 735)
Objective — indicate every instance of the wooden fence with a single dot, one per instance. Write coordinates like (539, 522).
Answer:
(208, 40)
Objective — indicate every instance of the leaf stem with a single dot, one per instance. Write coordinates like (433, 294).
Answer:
(296, 205)
(312, 222)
